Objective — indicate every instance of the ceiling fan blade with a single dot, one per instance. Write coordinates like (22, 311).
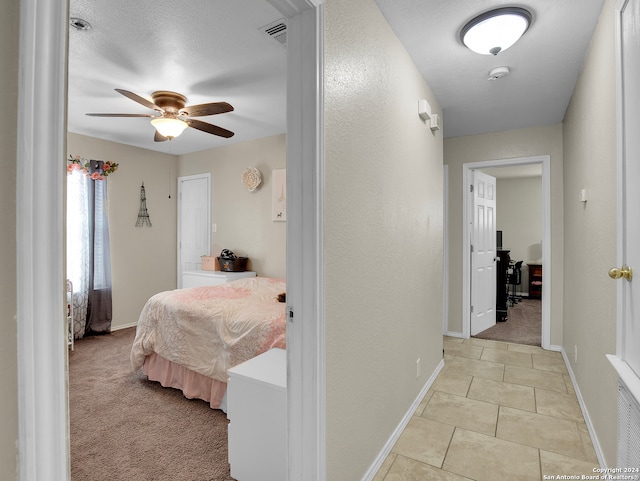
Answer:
(209, 128)
(158, 137)
(137, 98)
(203, 110)
(121, 115)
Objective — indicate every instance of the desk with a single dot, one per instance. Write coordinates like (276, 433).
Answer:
(502, 289)
(535, 281)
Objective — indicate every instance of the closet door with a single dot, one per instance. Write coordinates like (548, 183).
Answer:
(194, 222)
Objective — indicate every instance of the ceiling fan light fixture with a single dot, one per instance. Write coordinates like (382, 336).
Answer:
(168, 127)
(496, 30)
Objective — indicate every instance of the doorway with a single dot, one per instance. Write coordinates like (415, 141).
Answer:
(194, 222)
(518, 229)
(545, 248)
(42, 397)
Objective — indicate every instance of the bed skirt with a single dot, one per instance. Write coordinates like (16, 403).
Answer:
(192, 384)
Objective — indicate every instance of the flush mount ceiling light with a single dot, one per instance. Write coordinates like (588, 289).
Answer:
(169, 127)
(495, 31)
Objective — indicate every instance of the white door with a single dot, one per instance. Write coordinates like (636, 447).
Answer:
(194, 222)
(627, 358)
(629, 230)
(483, 253)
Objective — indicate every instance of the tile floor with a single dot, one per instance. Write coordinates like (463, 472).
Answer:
(497, 412)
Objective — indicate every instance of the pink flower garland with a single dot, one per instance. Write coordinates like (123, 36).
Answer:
(78, 163)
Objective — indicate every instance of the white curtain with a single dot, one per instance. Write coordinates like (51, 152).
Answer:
(78, 255)
(88, 257)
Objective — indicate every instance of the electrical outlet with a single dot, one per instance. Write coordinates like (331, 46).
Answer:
(418, 368)
(575, 353)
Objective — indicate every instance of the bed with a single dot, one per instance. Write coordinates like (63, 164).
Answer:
(188, 338)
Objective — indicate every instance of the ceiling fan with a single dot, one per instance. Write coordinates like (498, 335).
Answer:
(174, 116)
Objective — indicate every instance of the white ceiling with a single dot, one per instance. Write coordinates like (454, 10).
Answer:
(213, 50)
(208, 50)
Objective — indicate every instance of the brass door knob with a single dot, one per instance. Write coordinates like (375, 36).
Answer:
(624, 272)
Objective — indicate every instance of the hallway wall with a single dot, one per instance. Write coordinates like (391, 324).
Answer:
(382, 236)
(590, 232)
(509, 144)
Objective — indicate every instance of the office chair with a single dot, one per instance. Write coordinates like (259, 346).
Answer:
(514, 278)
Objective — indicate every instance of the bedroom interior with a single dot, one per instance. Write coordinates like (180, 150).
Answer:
(143, 257)
(576, 154)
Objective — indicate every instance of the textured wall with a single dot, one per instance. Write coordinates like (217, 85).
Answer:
(143, 259)
(519, 216)
(504, 145)
(243, 218)
(383, 235)
(590, 240)
(8, 328)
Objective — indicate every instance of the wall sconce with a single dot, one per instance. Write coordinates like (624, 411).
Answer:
(424, 111)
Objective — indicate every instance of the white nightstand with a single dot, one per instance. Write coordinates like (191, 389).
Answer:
(211, 278)
(257, 412)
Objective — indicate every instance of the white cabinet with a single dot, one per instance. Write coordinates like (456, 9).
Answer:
(211, 278)
(257, 412)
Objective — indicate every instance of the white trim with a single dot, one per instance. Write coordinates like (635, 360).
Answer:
(620, 175)
(306, 438)
(626, 375)
(585, 412)
(291, 8)
(455, 334)
(445, 250)
(545, 160)
(42, 389)
(386, 449)
(124, 326)
(207, 176)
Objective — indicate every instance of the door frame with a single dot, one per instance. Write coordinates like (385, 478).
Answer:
(43, 416)
(207, 176)
(467, 176)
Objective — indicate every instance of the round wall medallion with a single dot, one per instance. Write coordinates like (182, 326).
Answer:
(252, 178)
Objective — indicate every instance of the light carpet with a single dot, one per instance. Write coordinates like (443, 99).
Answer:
(126, 428)
(523, 326)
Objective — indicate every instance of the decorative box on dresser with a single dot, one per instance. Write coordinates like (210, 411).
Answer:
(535, 281)
(211, 278)
(257, 412)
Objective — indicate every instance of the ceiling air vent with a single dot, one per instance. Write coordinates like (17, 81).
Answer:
(277, 31)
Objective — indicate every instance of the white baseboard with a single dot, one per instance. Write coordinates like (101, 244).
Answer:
(124, 326)
(454, 334)
(585, 412)
(377, 463)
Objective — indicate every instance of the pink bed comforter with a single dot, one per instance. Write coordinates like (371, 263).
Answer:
(211, 329)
